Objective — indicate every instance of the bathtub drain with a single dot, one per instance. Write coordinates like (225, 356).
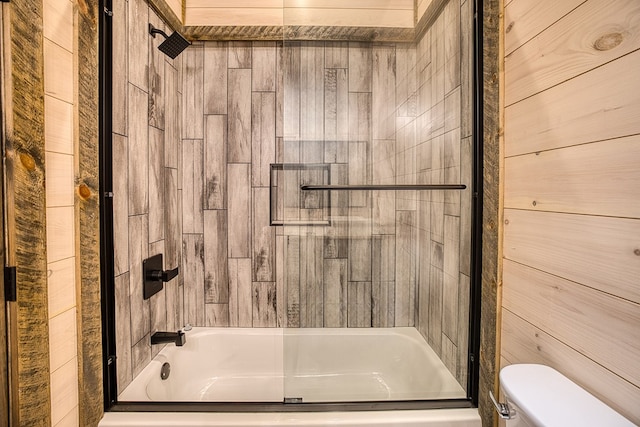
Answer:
(165, 371)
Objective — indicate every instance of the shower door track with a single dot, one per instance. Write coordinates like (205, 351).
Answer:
(290, 407)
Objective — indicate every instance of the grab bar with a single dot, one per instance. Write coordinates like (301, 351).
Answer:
(402, 187)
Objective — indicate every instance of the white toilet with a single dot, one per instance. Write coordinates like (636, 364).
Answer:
(540, 396)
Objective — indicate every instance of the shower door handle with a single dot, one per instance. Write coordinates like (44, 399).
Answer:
(392, 187)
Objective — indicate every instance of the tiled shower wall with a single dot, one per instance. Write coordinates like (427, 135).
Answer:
(444, 154)
(193, 142)
(350, 106)
(146, 139)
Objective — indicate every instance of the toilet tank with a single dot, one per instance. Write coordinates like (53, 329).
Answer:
(542, 396)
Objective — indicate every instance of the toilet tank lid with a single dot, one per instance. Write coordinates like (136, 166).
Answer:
(548, 398)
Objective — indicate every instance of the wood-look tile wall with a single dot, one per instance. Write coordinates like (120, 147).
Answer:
(146, 145)
(443, 153)
(571, 295)
(222, 113)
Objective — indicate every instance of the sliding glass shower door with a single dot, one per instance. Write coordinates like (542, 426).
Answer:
(371, 197)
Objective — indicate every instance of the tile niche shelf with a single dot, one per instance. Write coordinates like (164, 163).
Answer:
(292, 206)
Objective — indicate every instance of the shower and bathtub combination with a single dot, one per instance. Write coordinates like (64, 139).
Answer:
(291, 239)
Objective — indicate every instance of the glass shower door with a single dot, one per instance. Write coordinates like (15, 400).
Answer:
(371, 194)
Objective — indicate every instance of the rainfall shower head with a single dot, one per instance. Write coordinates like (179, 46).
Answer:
(173, 45)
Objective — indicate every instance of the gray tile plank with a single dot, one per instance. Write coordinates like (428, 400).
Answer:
(192, 180)
(449, 354)
(452, 159)
(359, 173)
(336, 115)
(239, 202)
(215, 77)
(336, 239)
(171, 290)
(263, 66)
(239, 54)
(291, 89)
(263, 137)
(336, 54)
(119, 76)
(335, 293)
(215, 162)
(292, 280)
(157, 61)
(156, 184)
(452, 110)
(193, 93)
(216, 315)
(359, 304)
(120, 205)
(406, 248)
(406, 162)
(359, 137)
(263, 238)
(123, 326)
(239, 117)
(240, 291)
(193, 275)
(463, 329)
(280, 91)
(360, 245)
(311, 279)
(466, 69)
(311, 92)
(383, 280)
(452, 34)
(466, 172)
(138, 158)
(383, 304)
(141, 355)
(138, 251)
(406, 81)
(451, 272)
(216, 276)
(383, 92)
(264, 305)
(172, 118)
(158, 302)
(138, 45)
(360, 67)
(435, 297)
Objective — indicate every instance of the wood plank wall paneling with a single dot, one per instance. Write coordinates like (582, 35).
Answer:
(23, 124)
(557, 54)
(90, 359)
(570, 294)
(369, 13)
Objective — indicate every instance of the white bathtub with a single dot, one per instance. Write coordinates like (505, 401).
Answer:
(314, 365)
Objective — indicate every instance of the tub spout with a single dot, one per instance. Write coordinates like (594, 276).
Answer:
(178, 338)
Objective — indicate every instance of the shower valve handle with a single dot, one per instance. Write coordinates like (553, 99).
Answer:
(162, 276)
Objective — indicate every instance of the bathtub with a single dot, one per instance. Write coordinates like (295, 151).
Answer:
(296, 365)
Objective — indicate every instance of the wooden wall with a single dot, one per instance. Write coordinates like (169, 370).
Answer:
(362, 13)
(571, 295)
(59, 106)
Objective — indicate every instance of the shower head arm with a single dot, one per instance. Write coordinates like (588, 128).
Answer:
(153, 31)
